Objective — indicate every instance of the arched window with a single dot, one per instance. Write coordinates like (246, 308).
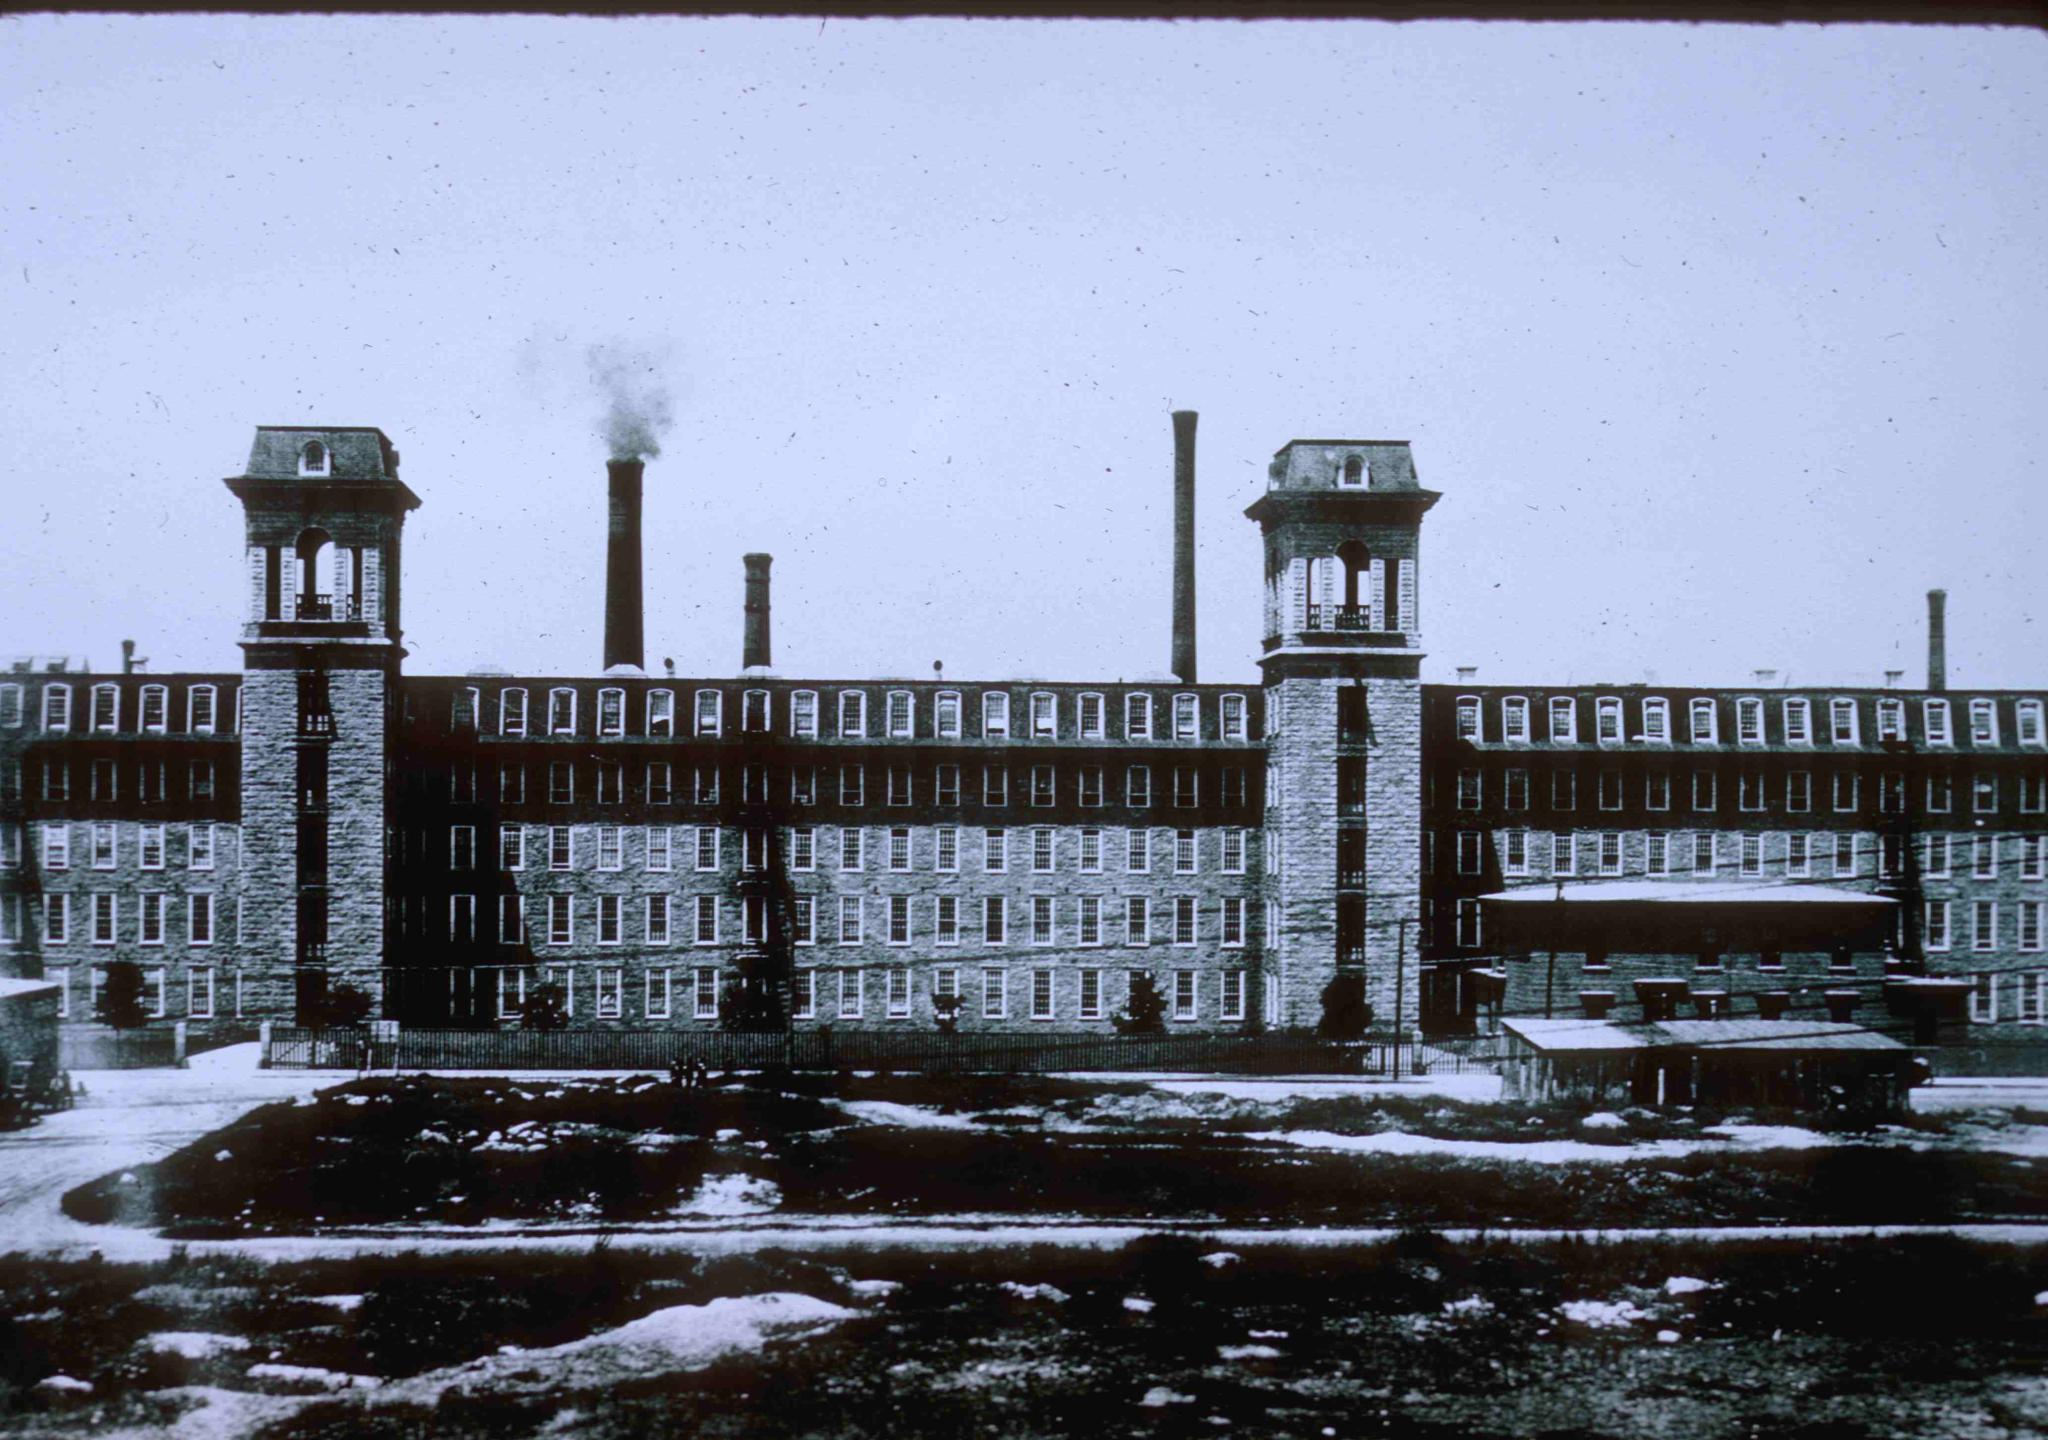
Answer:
(313, 459)
(316, 575)
(512, 711)
(661, 712)
(156, 702)
(1705, 729)
(106, 708)
(611, 712)
(1355, 474)
(200, 702)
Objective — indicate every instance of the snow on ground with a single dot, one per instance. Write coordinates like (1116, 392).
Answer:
(312, 1375)
(192, 1344)
(1538, 1152)
(1602, 1314)
(681, 1337)
(343, 1303)
(730, 1195)
(909, 1117)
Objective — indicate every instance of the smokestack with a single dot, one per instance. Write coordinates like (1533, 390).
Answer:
(754, 648)
(624, 634)
(1937, 640)
(1184, 546)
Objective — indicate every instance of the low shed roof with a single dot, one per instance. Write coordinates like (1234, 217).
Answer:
(1684, 892)
(13, 988)
(1571, 1037)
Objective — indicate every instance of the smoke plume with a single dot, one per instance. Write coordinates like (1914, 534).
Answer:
(632, 382)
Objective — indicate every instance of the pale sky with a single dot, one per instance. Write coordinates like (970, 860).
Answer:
(1722, 344)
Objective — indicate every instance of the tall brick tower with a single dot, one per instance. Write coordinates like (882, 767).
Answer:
(321, 652)
(1342, 521)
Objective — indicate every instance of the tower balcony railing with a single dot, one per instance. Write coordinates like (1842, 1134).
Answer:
(327, 607)
(316, 722)
(1340, 617)
(1351, 953)
(1351, 878)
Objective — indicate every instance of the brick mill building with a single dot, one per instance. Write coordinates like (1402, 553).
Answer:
(855, 849)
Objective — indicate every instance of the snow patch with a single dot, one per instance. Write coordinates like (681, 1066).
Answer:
(1139, 1305)
(730, 1195)
(1667, 1337)
(1472, 1307)
(1603, 1120)
(1687, 1285)
(1159, 1396)
(681, 1337)
(1035, 1292)
(1247, 1352)
(874, 1287)
(1217, 1259)
(313, 1375)
(908, 1117)
(343, 1303)
(1602, 1314)
(193, 1344)
(64, 1385)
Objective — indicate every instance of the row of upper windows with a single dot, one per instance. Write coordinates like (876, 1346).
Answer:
(806, 716)
(103, 845)
(847, 849)
(1752, 791)
(103, 709)
(655, 784)
(1797, 721)
(1806, 856)
(103, 781)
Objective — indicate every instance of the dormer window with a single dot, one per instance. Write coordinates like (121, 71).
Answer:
(1983, 722)
(1657, 720)
(1749, 721)
(1608, 714)
(1564, 720)
(1891, 720)
(1935, 716)
(1842, 720)
(1705, 731)
(314, 459)
(1468, 717)
(1798, 722)
(1514, 718)
(1354, 475)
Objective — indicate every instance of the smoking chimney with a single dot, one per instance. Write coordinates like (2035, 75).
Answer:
(1184, 546)
(1937, 640)
(624, 634)
(754, 648)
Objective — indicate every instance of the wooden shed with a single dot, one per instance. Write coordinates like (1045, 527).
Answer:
(1797, 1064)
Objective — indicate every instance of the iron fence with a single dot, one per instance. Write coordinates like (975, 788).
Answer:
(825, 1049)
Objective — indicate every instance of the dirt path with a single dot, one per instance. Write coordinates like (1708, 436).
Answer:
(127, 1117)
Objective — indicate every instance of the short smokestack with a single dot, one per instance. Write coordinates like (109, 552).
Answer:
(755, 649)
(625, 641)
(1184, 546)
(1892, 679)
(1937, 640)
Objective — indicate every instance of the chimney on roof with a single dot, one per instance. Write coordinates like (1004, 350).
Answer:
(1467, 674)
(127, 657)
(1765, 677)
(1184, 546)
(1937, 640)
(754, 649)
(1892, 679)
(624, 630)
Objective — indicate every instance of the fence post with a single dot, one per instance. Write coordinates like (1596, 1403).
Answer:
(263, 1039)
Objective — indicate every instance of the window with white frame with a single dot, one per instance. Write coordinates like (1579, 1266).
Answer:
(803, 714)
(1935, 853)
(995, 851)
(897, 992)
(56, 845)
(853, 781)
(1983, 722)
(1230, 994)
(56, 708)
(2032, 914)
(853, 713)
(1706, 728)
(1607, 712)
(1984, 857)
(1138, 787)
(851, 997)
(995, 920)
(561, 920)
(1799, 791)
(1088, 716)
(1984, 925)
(1184, 995)
(512, 712)
(1936, 929)
(1186, 717)
(610, 993)
(1749, 721)
(1138, 851)
(1471, 852)
(705, 931)
(946, 920)
(1610, 852)
(1563, 859)
(803, 922)
(1137, 920)
(1091, 995)
(995, 713)
(1233, 715)
(1984, 793)
(1657, 720)
(1041, 850)
(1233, 851)
(1514, 719)
(1798, 854)
(10, 705)
(1041, 995)
(1184, 852)
(1657, 790)
(1090, 931)
(994, 1000)
(611, 712)
(1798, 722)
(155, 708)
(1934, 717)
(1091, 850)
(611, 848)
(2034, 857)
(1564, 720)
(561, 711)
(1044, 714)
(756, 714)
(1514, 852)
(1041, 913)
(609, 926)
(1842, 720)
(104, 847)
(657, 920)
(946, 714)
(710, 712)
(1891, 720)
(561, 847)
(199, 917)
(657, 841)
(899, 848)
(1845, 792)
(1468, 717)
(1137, 717)
(902, 715)
(106, 708)
(511, 920)
(1752, 854)
(849, 920)
(2028, 723)
(1846, 847)
(803, 995)
(1940, 793)
(1184, 920)
(899, 920)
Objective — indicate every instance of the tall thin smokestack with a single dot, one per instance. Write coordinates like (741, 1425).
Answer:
(625, 641)
(1184, 546)
(755, 649)
(1937, 640)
